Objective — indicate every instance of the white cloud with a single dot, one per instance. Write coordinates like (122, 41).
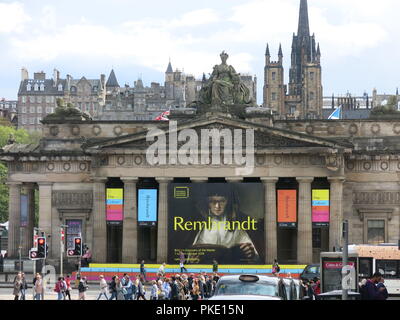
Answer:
(12, 17)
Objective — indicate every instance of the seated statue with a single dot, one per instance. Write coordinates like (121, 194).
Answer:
(224, 87)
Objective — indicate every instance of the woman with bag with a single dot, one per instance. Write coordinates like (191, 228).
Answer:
(121, 291)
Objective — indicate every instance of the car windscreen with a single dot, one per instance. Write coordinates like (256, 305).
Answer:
(247, 288)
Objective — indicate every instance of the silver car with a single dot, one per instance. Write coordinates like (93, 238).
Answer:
(250, 287)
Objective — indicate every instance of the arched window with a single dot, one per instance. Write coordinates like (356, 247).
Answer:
(73, 89)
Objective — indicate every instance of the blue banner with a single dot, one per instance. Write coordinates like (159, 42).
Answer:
(147, 205)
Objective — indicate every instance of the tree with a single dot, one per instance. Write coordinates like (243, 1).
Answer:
(388, 110)
(9, 134)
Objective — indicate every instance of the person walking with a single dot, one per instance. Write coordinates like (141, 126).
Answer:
(128, 286)
(103, 287)
(120, 289)
(276, 268)
(161, 271)
(140, 289)
(82, 288)
(382, 288)
(143, 271)
(182, 260)
(68, 288)
(24, 286)
(174, 289)
(17, 286)
(38, 287)
(215, 266)
(59, 289)
(370, 291)
(113, 288)
(154, 289)
(166, 289)
(196, 290)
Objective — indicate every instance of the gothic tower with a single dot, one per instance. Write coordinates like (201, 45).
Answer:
(274, 89)
(305, 71)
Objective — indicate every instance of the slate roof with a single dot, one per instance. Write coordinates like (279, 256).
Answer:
(49, 88)
(348, 114)
(112, 80)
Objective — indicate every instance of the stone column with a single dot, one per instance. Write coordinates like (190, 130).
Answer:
(45, 209)
(14, 218)
(28, 230)
(162, 227)
(130, 233)
(304, 229)
(270, 223)
(99, 251)
(336, 211)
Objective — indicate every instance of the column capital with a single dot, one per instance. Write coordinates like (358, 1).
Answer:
(269, 179)
(305, 179)
(130, 179)
(199, 179)
(337, 179)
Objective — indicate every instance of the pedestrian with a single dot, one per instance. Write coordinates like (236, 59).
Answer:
(215, 266)
(216, 277)
(59, 288)
(161, 270)
(209, 287)
(196, 290)
(310, 290)
(24, 286)
(182, 260)
(103, 287)
(82, 288)
(317, 286)
(166, 289)
(154, 289)
(87, 257)
(68, 287)
(17, 286)
(120, 289)
(370, 291)
(38, 287)
(143, 271)
(174, 289)
(112, 288)
(128, 286)
(202, 286)
(140, 289)
(381, 284)
(276, 268)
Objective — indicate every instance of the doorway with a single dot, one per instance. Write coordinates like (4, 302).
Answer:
(114, 242)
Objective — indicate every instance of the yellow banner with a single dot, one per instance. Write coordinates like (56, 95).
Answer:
(320, 195)
(115, 193)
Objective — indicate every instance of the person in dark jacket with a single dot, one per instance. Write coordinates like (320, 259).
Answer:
(384, 292)
(174, 289)
(370, 291)
(113, 288)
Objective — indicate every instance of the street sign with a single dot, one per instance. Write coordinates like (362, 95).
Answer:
(33, 254)
(71, 252)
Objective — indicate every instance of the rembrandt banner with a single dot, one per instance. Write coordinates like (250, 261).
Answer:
(115, 204)
(222, 221)
(287, 208)
(320, 207)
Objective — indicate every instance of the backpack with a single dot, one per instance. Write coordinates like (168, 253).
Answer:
(278, 268)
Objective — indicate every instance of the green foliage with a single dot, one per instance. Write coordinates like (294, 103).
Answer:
(18, 136)
(390, 109)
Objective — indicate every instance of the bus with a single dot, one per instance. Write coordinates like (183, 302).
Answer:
(366, 259)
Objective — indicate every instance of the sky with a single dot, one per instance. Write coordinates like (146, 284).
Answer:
(358, 39)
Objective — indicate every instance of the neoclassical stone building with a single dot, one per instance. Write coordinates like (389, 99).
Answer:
(78, 160)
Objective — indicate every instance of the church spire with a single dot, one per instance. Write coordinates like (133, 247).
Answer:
(304, 28)
(267, 51)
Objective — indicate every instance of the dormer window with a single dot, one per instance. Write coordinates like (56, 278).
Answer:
(28, 87)
(95, 89)
(73, 89)
(36, 87)
(41, 87)
(60, 87)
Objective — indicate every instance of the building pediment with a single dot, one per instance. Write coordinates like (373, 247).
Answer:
(266, 138)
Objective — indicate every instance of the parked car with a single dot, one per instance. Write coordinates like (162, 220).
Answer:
(250, 287)
(310, 272)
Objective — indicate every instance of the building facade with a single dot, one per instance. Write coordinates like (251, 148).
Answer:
(8, 111)
(303, 96)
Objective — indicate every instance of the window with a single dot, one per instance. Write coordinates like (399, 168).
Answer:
(52, 99)
(39, 99)
(39, 119)
(47, 99)
(311, 95)
(23, 109)
(273, 76)
(24, 120)
(32, 99)
(36, 87)
(388, 268)
(292, 109)
(42, 87)
(60, 87)
(32, 120)
(39, 109)
(376, 231)
(311, 76)
(316, 237)
(28, 87)
(273, 96)
(23, 99)
(48, 109)
(32, 109)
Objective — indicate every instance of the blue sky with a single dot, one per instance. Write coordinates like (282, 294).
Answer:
(358, 39)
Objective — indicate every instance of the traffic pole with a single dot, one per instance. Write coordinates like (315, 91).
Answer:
(345, 254)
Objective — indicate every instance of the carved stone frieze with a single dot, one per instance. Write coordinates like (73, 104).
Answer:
(376, 197)
(72, 199)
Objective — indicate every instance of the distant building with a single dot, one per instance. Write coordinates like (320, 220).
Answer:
(146, 103)
(8, 110)
(37, 97)
(302, 98)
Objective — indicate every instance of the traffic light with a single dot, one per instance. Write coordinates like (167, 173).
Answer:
(41, 248)
(78, 246)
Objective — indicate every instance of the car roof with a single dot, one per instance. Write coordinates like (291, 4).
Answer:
(261, 277)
